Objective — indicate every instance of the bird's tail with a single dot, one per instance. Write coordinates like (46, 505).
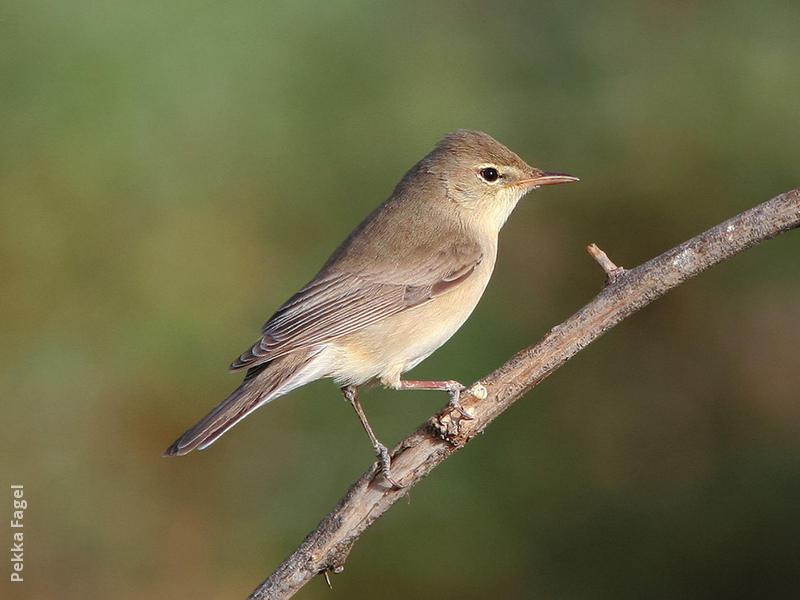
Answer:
(262, 384)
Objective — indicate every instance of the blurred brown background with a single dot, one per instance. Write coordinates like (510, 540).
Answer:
(171, 172)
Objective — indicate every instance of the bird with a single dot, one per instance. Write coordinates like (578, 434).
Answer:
(398, 287)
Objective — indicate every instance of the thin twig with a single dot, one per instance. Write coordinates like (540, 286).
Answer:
(326, 548)
(612, 270)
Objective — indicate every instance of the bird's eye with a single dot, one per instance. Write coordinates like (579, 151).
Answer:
(489, 174)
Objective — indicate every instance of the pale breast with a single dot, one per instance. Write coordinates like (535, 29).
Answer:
(389, 347)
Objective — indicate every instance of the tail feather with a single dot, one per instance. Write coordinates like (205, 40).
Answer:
(261, 385)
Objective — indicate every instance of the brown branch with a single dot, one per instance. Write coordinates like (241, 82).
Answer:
(326, 548)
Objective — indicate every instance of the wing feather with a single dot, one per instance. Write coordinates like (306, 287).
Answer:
(336, 303)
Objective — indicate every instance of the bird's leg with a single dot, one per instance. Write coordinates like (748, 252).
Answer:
(351, 393)
(451, 387)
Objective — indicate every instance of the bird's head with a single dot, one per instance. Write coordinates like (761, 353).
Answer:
(483, 179)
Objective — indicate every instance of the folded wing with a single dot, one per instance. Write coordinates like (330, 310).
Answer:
(336, 303)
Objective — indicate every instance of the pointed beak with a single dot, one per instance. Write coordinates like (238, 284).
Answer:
(546, 178)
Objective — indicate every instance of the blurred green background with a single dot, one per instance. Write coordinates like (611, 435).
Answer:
(171, 172)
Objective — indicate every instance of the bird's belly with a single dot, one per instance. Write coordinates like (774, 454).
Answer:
(389, 347)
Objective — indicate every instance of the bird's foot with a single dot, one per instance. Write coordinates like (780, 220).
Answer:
(455, 389)
(386, 463)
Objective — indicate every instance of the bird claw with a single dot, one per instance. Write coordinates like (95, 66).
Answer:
(455, 401)
(386, 462)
